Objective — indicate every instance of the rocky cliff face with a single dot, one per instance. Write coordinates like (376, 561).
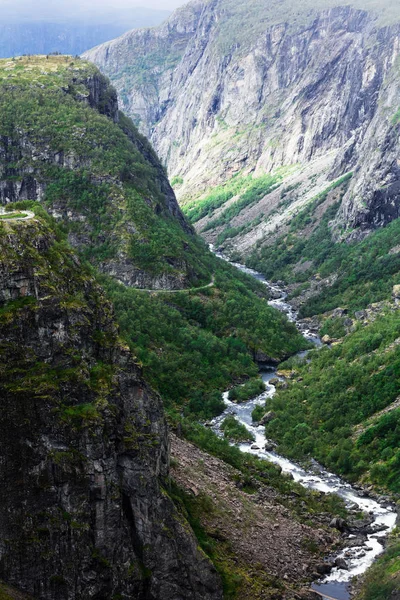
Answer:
(313, 87)
(84, 511)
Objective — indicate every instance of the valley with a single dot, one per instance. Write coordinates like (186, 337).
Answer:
(199, 309)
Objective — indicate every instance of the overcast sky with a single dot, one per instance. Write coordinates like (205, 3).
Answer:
(67, 9)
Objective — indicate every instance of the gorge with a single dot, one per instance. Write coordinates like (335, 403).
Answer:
(182, 423)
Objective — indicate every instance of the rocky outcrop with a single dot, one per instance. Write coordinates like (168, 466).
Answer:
(84, 449)
(250, 93)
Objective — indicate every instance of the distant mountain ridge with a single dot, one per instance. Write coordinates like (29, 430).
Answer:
(26, 34)
(226, 89)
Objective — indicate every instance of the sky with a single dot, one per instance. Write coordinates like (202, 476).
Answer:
(20, 10)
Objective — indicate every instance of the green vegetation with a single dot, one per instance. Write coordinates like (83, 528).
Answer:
(199, 208)
(255, 191)
(383, 579)
(193, 345)
(333, 327)
(115, 196)
(176, 181)
(235, 431)
(332, 412)
(365, 272)
(250, 389)
(15, 215)
(115, 205)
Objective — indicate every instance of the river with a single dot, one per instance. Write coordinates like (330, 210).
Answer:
(358, 557)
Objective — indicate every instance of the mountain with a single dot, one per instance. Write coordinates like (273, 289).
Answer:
(89, 163)
(68, 29)
(231, 92)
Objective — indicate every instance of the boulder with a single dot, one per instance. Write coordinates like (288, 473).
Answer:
(324, 568)
(269, 446)
(396, 292)
(339, 523)
(360, 315)
(340, 563)
(268, 417)
(326, 339)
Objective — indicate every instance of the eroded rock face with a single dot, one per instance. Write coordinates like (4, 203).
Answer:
(84, 448)
(325, 85)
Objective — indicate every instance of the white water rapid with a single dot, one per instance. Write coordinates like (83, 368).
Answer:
(360, 554)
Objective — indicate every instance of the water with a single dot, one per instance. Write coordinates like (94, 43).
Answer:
(359, 558)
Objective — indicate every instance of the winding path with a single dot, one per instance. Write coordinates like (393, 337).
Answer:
(198, 289)
(11, 219)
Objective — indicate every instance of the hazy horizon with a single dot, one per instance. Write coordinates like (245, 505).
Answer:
(71, 10)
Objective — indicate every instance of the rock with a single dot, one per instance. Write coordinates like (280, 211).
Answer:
(268, 417)
(83, 492)
(255, 447)
(360, 315)
(339, 523)
(326, 339)
(340, 563)
(236, 87)
(396, 292)
(275, 295)
(325, 568)
(269, 446)
(356, 542)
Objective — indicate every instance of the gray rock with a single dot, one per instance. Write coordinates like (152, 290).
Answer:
(268, 417)
(339, 523)
(334, 112)
(84, 511)
(340, 563)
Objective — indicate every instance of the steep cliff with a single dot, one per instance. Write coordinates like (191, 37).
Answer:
(304, 92)
(63, 142)
(83, 441)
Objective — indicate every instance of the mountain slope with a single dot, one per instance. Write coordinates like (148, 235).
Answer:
(64, 143)
(84, 441)
(312, 88)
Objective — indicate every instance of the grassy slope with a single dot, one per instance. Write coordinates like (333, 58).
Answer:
(366, 271)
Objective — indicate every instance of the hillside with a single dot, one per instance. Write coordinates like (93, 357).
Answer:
(83, 441)
(64, 144)
(302, 92)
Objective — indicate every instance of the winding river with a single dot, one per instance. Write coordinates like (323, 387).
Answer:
(358, 557)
